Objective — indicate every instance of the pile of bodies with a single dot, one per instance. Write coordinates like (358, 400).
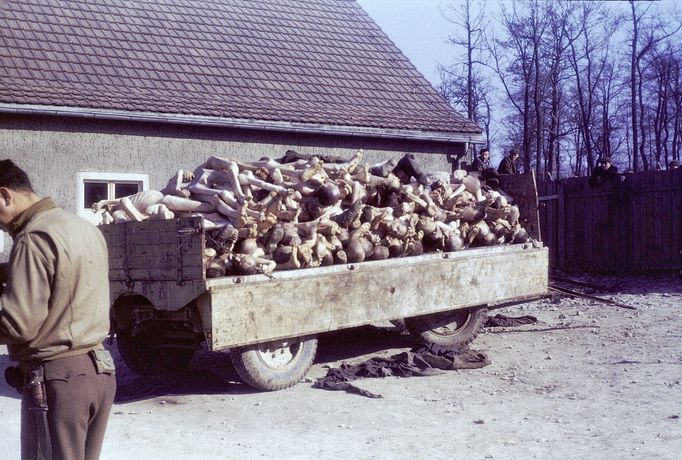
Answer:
(310, 211)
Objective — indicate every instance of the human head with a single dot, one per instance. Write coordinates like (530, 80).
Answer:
(674, 164)
(514, 153)
(16, 192)
(484, 154)
(13, 177)
(605, 162)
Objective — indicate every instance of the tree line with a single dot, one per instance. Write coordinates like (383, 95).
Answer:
(570, 82)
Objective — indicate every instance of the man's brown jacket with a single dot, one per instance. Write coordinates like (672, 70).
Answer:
(56, 302)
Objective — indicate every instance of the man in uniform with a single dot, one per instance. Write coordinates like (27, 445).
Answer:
(508, 163)
(54, 315)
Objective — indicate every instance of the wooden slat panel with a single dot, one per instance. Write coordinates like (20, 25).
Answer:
(637, 219)
(647, 226)
(561, 227)
(661, 202)
(676, 218)
(524, 190)
(548, 209)
(167, 250)
(632, 226)
(578, 253)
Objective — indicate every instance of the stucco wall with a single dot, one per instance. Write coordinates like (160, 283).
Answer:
(53, 150)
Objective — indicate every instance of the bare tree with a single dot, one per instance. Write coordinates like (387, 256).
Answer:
(561, 37)
(463, 84)
(569, 99)
(646, 34)
(516, 58)
(676, 122)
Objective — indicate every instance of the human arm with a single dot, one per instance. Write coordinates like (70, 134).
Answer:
(24, 302)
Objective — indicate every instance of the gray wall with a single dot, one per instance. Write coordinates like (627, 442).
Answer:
(54, 149)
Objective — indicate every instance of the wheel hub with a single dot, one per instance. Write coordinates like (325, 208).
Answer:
(454, 323)
(279, 355)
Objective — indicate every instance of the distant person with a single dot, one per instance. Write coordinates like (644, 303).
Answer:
(482, 161)
(508, 163)
(674, 165)
(604, 172)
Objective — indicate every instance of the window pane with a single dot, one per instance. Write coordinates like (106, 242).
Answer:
(122, 189)
(94, 192)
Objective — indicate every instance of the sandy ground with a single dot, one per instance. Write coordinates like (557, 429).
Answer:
(588, 380)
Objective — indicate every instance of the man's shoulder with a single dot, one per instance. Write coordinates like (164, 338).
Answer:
(57, 219)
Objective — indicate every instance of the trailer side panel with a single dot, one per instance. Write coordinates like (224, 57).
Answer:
(247, 310)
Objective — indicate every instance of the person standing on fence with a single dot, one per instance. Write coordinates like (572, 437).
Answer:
(508, 163)
(54, 315)
(604, 172)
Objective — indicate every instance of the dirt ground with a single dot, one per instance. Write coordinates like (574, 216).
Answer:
(588, 380)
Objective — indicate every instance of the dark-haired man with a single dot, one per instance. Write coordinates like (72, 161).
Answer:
(54, 315)
(482, 161)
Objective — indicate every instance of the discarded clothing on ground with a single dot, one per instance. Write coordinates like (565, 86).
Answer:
(509, 321)
(424, 360)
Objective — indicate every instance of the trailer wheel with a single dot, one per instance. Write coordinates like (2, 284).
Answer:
(275, 365)
(145, 353)
(452, 328)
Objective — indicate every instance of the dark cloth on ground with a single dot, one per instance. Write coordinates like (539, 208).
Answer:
(509, 321)
(421, 361)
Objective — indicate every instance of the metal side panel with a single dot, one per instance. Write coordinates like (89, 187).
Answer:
(247, 310)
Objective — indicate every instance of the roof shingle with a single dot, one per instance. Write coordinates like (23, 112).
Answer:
(306, 61)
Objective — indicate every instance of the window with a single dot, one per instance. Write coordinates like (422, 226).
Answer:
(94, 187)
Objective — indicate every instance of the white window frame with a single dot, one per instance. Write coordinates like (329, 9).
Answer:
(85, 176)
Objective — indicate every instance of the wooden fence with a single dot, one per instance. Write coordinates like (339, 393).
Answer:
(631, 225)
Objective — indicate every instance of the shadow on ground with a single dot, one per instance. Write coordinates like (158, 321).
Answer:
(6, 390)
(635, 285)
(213, 373)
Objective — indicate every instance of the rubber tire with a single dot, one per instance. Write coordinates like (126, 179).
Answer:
(142, 354)
(255, 372)
(469, 322)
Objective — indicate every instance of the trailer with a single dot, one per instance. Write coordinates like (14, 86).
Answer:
(164, 307)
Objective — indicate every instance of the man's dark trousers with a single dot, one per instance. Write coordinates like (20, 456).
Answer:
(79, 401)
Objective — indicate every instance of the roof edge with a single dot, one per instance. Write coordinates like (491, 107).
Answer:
(267, 125)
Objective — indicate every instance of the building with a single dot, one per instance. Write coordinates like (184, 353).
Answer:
(99, 99)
